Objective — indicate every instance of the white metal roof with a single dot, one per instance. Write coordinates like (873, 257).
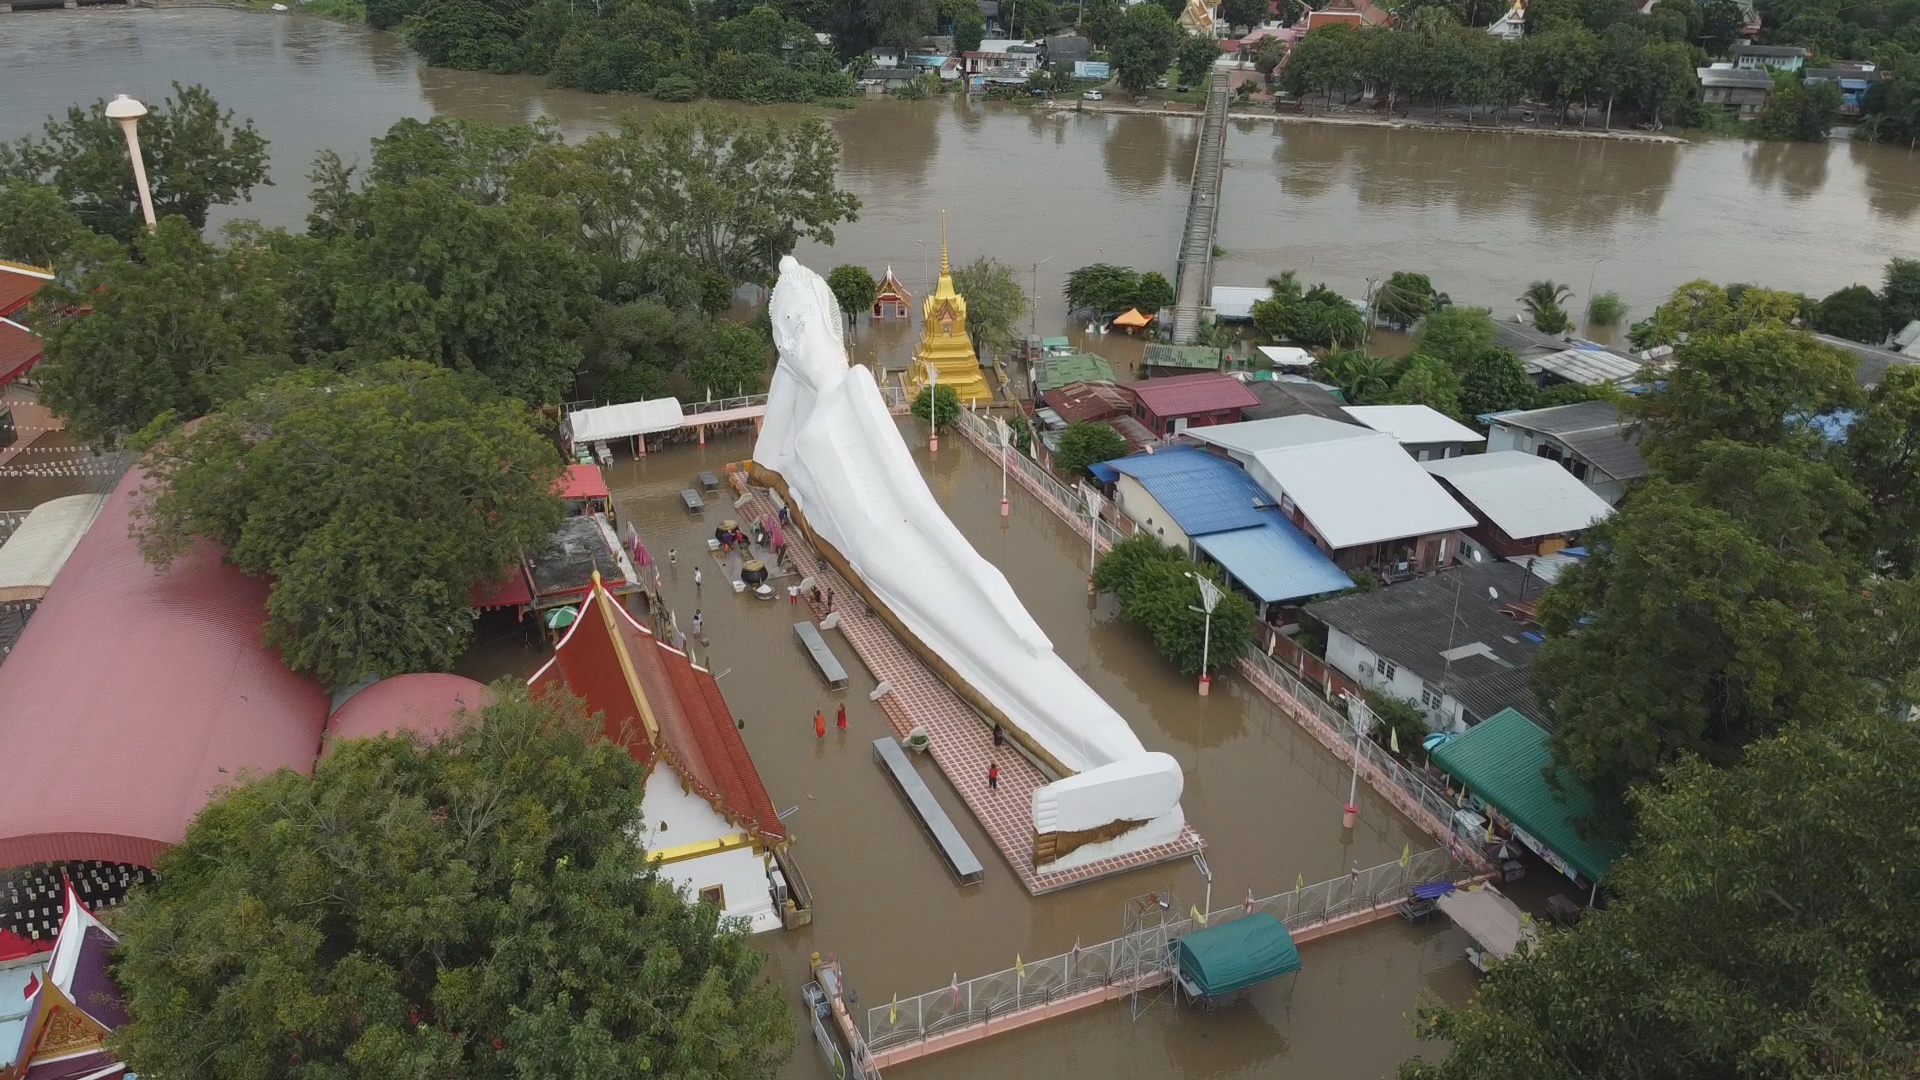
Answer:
(1588, 367)
(1414, 423)
(1489, 918)
(1355, 485)
(631, 418)
(1236, 301)
(1526, 496)
(37, 550)
(1287, 356)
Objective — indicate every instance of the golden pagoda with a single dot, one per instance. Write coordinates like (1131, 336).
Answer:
(944, 344)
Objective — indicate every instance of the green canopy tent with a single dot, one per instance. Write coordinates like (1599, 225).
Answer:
(1235, 955)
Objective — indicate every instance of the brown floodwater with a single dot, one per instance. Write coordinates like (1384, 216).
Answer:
(1264, 795)
(1483, 214)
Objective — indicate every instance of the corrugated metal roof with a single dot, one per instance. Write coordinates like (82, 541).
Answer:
(1185, 395)
(1593, 429)
(423, 703)
(34, 554)
(1274, 560)
(1414, 423)
(1057, 371)
(1588, 367)
(1204, 494)
(1505, 761)
(1524, 495)
(1192, 357)
(1356, 485)
(630, 418)
(1235, 301)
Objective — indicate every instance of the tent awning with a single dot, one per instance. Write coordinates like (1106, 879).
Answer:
(630, 418)
(1489, 918)
(1227, 957)
(582, 482)
(1131, 318)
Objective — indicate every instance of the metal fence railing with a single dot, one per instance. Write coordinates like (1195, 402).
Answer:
(1069, 503)
(1402, 785)
(722, 404)
(904, 1021)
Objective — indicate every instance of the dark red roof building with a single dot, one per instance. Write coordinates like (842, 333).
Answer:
(426, 704)
(1172, 405)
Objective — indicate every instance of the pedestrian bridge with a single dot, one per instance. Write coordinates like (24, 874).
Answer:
(1195, 276)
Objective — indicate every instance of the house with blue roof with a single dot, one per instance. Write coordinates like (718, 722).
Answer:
(1208, 507)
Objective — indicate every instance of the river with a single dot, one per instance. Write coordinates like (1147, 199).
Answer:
(1483, 214)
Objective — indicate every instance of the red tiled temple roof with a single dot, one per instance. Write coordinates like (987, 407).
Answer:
(18, 283)
(134, 694)
(624, 673)
(20, 349)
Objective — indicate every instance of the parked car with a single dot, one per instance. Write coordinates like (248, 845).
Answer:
(1094, 95)
(1161, 85)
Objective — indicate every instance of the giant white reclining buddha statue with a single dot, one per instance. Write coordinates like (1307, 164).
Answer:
(829, 445)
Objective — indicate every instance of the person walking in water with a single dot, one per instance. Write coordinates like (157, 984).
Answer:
(819, 725)
(841, 723)
(696, 579)
(999, 737)
(673, 556)
(993, 776)
(698, 622)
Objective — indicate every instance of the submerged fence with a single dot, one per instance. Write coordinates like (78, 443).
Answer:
(1141, 955)
(1070, 504)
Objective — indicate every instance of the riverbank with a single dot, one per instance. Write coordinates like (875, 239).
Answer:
(1361, 122)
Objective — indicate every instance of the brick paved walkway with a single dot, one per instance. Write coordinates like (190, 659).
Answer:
(961, 740)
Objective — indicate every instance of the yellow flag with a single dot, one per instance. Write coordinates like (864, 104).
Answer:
(1406, 853)
(893, 1011)
(1019, 968)
(1300, 882)
(1489, 829)
(1197, 917)
(1393, 739)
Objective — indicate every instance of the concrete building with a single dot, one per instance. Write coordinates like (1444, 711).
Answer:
(1589, 439)
(1353, 490)
(1770, 57)
(1459, 652)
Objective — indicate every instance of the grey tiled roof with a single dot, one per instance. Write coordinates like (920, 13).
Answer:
(1293, 399)
(1592, 429)
(1408, 624)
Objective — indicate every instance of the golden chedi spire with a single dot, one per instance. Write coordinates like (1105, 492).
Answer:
(944, 343)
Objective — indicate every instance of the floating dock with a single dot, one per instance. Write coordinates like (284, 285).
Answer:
(823, 657)
(953, 848)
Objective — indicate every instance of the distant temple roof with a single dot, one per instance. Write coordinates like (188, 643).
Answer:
(57, 1008)
(892, 289)
(425, 703)
(658, 704)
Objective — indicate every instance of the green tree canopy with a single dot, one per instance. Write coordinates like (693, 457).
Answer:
(1762, 926)
(937, 405)
(995, 302)
(1155, 292)
(735, 361)
(36, 226)
(173, 326)
(1246, 14)
(1405, 298)
(1494, 381)
(1362, 379)
(1103, 288)
(1195, 58)
(1099, 18)
(1545, 302)
(1144, 41)
(1121, 565)
(374, 499)
(1764, 386)
(474, 906)
(1853, 313)
(1457, 335)
(1163, 598)
(1803, 112)
(853, 289)
(195, 158)
(1429, 381)
(1883, 447)
(1900, 292)
(1085, 444)
(1732, 599)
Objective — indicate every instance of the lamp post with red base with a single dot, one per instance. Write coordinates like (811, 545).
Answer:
(1209, 599)
(1006, 447)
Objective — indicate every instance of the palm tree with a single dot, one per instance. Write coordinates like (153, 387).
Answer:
(1286, 286)
(1544, 300)
(1361, 378)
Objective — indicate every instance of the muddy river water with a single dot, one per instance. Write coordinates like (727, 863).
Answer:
(1483, 214)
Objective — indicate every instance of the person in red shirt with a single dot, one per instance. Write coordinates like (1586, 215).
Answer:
(841, 723)
(819, 725)
(993, 776)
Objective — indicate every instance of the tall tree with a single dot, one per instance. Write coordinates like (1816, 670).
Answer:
(1883, 447)
(1099, 18)
(471, 906)
(1766, 386)
(1801, 111)
(1145, 39)
(1362, 379)
(1405, 298)
(1245, 14)
(1426, 380)
(374, 499)
(735, 361)
(1155, 292)
(1457, 335)
(1494, 381)
(853, 289)
(1102, 288)
(1195, 58)
(1082, 445)
(173, 326)
(36, 227)
(194, 155)
(1328, 58)
(1545, 302)
(1732, 599)
(735, 194)
(1900, 292)
(1853, 313)
(1762, 926)
(995, 302)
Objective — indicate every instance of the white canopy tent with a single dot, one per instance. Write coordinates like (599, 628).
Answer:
(621, 421)
(1286, 356)
(1490, 919)
(34, 554)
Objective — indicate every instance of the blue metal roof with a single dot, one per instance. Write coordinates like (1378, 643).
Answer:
(1202, 493)
(1274, 560)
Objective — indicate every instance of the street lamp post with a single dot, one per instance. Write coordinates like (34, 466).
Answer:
(1591, 272)
(933, 408)
(1093, 535)
(127, 112)
(1006, 447)
(1209, 599)
(1351, 813)
(1033, 307)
